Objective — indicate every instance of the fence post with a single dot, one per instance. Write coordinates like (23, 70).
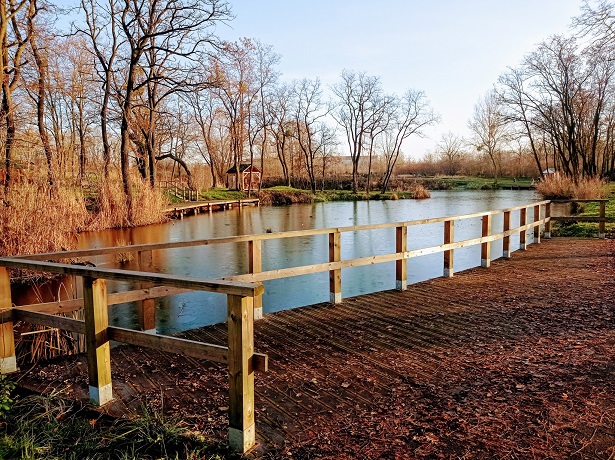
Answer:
(522, 234)
(95, 310)
(147, 307)
(506, 239)
(449, 255)
(602, 224)
(242, 432)
(335, 276)
(548, 220)
(401, 267)
(485, 248)
(537, 227)
(8, 361)
(255, 265)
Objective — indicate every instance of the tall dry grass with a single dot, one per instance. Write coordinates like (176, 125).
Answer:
(111, 208)
(557, 186)
(36, 219)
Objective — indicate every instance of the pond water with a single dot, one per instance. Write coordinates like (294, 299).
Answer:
(191, 310)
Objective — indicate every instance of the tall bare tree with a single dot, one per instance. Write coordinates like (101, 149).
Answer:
(309, 111)
(412, 114)
(358, 99)
(489, 129)
(14, 39)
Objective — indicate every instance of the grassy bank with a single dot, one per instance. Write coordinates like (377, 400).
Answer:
(34, 427)
(473, 183)
(588, 229)
(288, 195)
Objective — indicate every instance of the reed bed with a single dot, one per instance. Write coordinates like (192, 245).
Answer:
(557, 186)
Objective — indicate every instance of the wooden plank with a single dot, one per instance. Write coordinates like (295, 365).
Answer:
(199, 350)
(506, 239)
(255, 265)
(242, 432)
(335, 274)
(537, 228)
(371, 260)
(96, 340)
(449, 255)
(602, 225)
(548, 220)
(522, 223)
(68, 306)
(401, 246)
(8, 360)
(54, 321)
(485, 248)
(594, 219)
(220, 286)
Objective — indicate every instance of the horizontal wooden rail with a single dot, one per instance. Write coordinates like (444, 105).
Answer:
(178, 281)
(371, 260)
(68, 306)
(259, 237)
(209, 352)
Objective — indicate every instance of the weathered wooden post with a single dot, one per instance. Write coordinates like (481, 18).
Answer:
(602, 224)
(506, 239)
(522, 233)
(401, 267)
(255, 265)
(147, 307)
(95, 310)
(537, 227)
(242, 432)
(335, 276)
(548, 220)
(449, 255)
(485, 248)
(8, 361)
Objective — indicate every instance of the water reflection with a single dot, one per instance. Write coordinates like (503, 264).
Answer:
(196, 309)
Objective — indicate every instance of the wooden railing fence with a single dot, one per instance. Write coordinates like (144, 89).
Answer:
(243, 291)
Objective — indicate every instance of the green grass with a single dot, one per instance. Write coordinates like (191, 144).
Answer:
(50, 427)
(478, 183)
(588, 229)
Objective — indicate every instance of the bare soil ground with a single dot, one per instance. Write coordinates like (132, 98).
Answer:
(515, 361)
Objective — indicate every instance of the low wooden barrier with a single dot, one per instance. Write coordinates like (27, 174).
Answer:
(601, 218)
(239, 355)
(244, 293)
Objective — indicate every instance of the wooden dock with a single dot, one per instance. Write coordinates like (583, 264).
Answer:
(179, 210)
(516, 361)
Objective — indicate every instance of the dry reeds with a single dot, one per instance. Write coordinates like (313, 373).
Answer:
(111, 210)
(557, 186)
(419, 192)
(36, 219)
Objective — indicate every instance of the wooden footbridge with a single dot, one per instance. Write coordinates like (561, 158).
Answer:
(179, 210)
(327, 360)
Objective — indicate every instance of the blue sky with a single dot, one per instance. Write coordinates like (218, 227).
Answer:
(453, 50)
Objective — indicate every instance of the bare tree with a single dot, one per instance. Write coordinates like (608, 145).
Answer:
(412, 114)
(489, 130)
(357, 111)
(102, 29)
(14, 38)
(282, 127)
(309, 111)
(173, 31)
(450, 150)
